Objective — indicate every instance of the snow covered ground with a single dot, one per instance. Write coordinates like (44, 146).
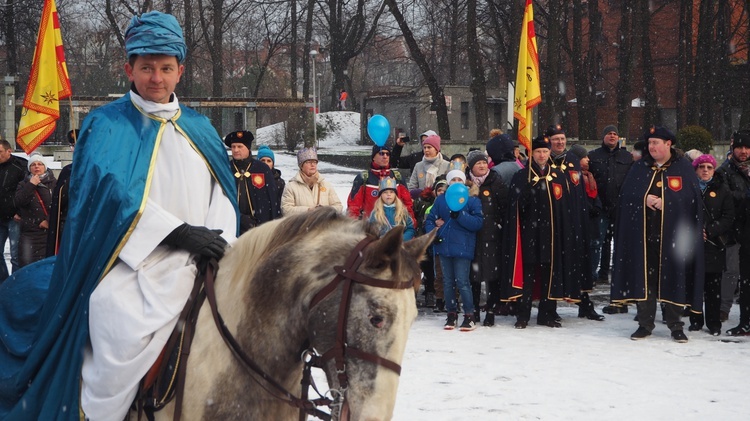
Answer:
(585, 370)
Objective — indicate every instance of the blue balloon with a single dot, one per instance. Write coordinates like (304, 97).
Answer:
(457, 196)
(379, 129)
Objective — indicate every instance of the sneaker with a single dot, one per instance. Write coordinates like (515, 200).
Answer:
(695, 328)
(679, 336)
(741, 330)
(489, 319)
(450, 322)
(429, 299)
(641, 333)
(468, 323)
(521, 324)
(615, 309)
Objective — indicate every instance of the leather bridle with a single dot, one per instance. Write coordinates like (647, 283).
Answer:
(347, 275)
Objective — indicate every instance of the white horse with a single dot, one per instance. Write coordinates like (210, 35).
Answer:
(264, 290)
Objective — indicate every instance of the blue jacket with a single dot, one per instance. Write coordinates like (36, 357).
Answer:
(390, 214)
(457, 237)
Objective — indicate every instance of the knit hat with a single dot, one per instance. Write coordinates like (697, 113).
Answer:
(242, 136)
(741, 138)
(640, 146)
(474, 157)
(73, 136)
(500, 148)
(659, 132)
(455, 173)
(387, 183)
(579, 151)
(265, 152)
(376, 149)
(553, 130)
(705, 158)
(35, 157)
(608, 129)
(306, 154)
(439, 182)
(540, 141)
(432, 140)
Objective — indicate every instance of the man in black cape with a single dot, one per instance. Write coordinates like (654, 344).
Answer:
(659, 237)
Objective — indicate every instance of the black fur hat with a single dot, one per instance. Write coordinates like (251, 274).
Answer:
(242, 136)
(659, 132)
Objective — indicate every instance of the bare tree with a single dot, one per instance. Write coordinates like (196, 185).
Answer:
(478, 85)
(585, 66)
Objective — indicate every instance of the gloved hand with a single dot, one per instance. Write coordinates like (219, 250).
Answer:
(197, 240)
(454, 215)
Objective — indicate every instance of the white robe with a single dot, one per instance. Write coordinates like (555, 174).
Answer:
(135, 307)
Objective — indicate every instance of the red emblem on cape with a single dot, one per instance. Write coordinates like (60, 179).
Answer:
(557, 190)
(575, 177)
(259, 180)
(675, 183)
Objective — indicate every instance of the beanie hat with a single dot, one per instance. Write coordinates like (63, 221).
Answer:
(540, 141)
(553, 130)
(741, 138)
(474, 157)
(376, 149)
(659, 132)
(455, 173)
(306, 154)
(432, 140)
(608, 129)
(706, 158)
(242, 136)
(428, 133)
(439, 182)
(73, 136)
(266, 152)
(387, 183)
(640, 146)
(35, 157)
(579, 151)
(500, 148)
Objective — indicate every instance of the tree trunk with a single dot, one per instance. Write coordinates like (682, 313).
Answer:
(453, 52)
(187, 76)
(419, 58)
(478, 84)
(553, 99)
(652, 114)
(685, 65)
(293, 52)
(584, 69)
(626, 62)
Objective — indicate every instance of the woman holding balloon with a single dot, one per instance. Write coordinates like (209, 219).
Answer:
(457, 217)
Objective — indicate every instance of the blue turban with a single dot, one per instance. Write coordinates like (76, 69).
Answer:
(155, 33)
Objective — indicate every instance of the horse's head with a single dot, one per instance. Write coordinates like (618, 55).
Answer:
(373, 320)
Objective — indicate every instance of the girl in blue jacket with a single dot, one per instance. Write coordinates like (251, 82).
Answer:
(455, 244)
(390, 211)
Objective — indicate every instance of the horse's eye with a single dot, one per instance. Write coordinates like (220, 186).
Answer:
(377, 321)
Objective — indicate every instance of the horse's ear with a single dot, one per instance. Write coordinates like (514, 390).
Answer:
(417, 247)
(383, 251)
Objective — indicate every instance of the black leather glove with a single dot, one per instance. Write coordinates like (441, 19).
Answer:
(197, 240)
(454, 215)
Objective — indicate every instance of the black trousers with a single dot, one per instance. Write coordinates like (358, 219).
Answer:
(547, 307)
(647, 309)
(428, 269)
(712, 303)
(744, 284)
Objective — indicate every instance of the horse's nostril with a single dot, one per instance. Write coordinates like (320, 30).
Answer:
(377, 321)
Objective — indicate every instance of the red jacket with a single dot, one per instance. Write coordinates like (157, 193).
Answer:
(362, 198)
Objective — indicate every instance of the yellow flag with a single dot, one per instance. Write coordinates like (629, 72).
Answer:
(528, 94)
(48, 83)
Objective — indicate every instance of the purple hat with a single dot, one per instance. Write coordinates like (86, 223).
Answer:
(705, 158)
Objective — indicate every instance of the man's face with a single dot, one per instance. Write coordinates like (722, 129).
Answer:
(558, 143)
(155, 76)
(659, 149)
(382, 159)
(240, 151)
(540, 156)
(4, 155)
(740, 153)
(611, 139)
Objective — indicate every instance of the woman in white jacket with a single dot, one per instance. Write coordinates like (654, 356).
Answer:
(308, 189)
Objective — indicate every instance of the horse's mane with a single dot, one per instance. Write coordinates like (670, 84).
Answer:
(250, 247)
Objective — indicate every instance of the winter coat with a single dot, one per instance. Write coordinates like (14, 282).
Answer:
(493, 194)
(364, 193)
(739, 186)
(256, 193)
(609, 166)
(12, 172)
(457, 237)
(280, 184)
(58, 211)
(506, 170)
(420, 178)
(718, 219)
(390, 214)
(299, 198)
(33, 204)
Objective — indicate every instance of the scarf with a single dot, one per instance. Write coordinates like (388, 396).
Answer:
(590, 183)
(309, 181)
(478, 181)
(431, 167)
(742, 166)
(380, 172)
(704, 184)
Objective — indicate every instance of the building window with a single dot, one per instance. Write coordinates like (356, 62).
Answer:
(464, 115)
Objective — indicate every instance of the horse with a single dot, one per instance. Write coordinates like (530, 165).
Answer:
(268, 292)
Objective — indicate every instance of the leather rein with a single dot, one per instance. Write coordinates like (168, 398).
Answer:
(346, 276)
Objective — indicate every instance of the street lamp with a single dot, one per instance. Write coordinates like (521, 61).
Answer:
(314, 53)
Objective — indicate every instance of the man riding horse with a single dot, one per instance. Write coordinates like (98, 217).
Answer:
(151, 192)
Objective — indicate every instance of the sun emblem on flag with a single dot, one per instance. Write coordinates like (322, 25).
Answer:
(49, 97)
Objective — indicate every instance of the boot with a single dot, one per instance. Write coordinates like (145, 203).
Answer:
(429, 299)
(586, 309)
(489, 319)
(613, 308)
(439, 306)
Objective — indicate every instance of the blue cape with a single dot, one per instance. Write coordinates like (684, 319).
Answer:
(113, 164)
